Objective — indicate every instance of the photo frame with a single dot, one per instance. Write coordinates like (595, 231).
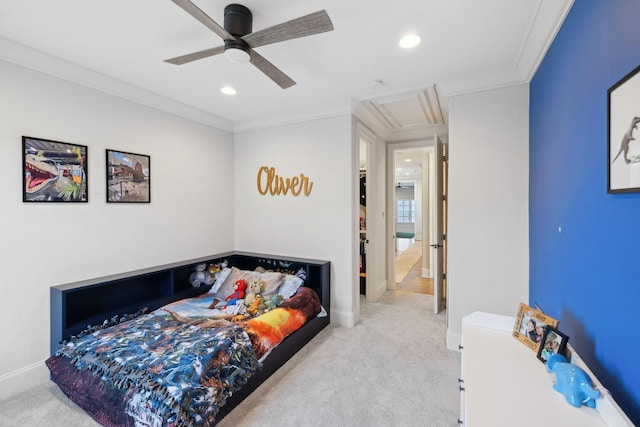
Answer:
(128, 177)
(530, 326)
(54, 171)
(553, 342)
(623, 142)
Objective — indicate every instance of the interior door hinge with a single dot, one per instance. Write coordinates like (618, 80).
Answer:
(444, 237)
(444, 197)
(444, 276)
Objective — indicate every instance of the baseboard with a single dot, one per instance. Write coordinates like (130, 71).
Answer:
(454, 340)
(426, 273)
(343, 318)
(23, 379)
(380, 290)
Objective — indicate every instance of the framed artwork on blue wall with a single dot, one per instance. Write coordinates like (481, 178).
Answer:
(622, 147)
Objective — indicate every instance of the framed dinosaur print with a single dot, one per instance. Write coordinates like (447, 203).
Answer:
(53, 171)
(128, 177)
(623, 145)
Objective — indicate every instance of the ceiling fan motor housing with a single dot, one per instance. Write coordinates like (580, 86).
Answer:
(238, 21)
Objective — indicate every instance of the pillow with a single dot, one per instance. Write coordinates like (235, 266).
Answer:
(290, 285)
(272, 281)
(222, 276)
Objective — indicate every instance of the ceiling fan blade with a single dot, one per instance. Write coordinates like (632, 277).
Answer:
(308, 25)
(195, 11)
(179, 60)
(261, 63)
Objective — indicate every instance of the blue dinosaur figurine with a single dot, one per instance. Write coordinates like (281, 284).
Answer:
(572, 382)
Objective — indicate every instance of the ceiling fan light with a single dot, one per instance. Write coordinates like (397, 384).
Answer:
(410, 40)
(236, 55)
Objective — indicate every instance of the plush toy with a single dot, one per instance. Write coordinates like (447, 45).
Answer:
(572, 382)
(273, 302)
(255, 289)
(201, 276)
(257, 306)
(239, 289)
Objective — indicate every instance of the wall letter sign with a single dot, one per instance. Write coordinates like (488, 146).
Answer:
(270, 182)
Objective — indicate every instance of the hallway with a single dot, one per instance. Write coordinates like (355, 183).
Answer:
(411, 280)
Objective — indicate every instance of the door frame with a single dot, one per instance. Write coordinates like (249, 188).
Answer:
(392, 147)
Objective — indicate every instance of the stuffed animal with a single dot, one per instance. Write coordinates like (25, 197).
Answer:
(201, 276)
(257, 306)
(255, 289)
(273, 302)
(572, 382)
(239, 289)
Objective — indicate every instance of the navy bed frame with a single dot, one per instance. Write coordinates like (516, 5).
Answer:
(75, 306)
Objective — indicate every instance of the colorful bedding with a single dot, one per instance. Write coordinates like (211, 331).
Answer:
(168, 369)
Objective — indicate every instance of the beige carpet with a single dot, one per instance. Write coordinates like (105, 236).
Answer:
(407, 259)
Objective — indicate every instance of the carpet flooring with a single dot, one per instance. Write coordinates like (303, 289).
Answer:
(391, 369)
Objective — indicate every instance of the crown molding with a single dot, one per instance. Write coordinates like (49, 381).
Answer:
(27, 57)
(249, 126)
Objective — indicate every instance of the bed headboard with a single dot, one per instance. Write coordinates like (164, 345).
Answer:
(75, 306)
(317, 272)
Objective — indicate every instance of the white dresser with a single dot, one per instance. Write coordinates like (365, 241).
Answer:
(504, 384)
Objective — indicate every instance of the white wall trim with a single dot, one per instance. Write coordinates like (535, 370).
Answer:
(23, 379)
(454, 340)
(24, 56)
(344, 318)
(250, 126)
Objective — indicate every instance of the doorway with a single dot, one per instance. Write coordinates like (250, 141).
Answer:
(411, 203)
(415, 206)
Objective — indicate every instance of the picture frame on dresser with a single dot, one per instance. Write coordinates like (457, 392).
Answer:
(553, 342)
(530, 326)
(128, 177)
(53, 171)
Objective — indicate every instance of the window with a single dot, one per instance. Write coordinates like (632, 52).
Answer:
(406, 211)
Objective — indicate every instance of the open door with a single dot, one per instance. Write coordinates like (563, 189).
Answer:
(438, 252)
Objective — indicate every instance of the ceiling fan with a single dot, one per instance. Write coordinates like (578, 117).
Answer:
(240, 41)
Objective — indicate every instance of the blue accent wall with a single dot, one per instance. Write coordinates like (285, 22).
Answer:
(588, 274)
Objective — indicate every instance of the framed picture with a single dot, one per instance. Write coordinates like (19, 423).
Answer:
(623, 142)
(128, 177)
(530, 326)
(53, 171)
(553, 342)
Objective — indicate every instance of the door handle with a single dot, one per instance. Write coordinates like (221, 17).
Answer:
(436, 245)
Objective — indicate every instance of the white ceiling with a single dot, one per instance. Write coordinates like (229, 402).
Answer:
(118, 46)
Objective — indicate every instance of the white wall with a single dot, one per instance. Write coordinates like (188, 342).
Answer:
(320, 226)
(488, 258)
(45, 244)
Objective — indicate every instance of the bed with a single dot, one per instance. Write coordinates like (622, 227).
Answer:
(143, 349)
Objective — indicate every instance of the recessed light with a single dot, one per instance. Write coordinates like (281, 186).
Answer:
(407, 160)
(228, 90)
(409, 41)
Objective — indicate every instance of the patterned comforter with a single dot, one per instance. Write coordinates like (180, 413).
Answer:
(155, 370)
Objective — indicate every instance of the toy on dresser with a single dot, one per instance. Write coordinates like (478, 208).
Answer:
(572, 382)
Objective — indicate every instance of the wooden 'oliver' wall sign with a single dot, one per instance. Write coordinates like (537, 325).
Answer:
(270, 182)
